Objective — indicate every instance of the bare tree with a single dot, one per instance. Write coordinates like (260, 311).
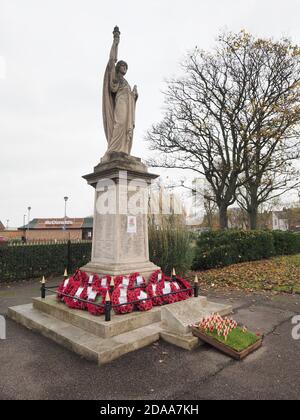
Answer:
(262, 188)
(245, 92)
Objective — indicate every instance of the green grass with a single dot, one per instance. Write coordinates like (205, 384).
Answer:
(237, 339)
(294, 260)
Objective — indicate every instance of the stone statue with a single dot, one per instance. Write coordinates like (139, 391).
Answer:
(118, 103)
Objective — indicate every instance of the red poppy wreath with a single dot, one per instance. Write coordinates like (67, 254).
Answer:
(82, 277)
(156, 277)
(154, 291)
(66, 287)
(168, 287)
(122, 296)
(78, 291)
(98, 296)
(142, 305)
(101, 283)
(184, 284)
(137, 280)
(125, 281)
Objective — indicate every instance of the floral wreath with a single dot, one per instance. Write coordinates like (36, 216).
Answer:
(66, 287)
(123, 295)
(137, 280)
(184, 284)
(156, 277)
(143, 305)
(125, 281)
(101, 283)
(154, 290)
(78, 291)
(168, 287)
(82, 277)
(96, 296)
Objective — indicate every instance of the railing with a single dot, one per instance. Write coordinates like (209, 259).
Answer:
(108, 306)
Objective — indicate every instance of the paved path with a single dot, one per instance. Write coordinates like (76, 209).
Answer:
(33, 367)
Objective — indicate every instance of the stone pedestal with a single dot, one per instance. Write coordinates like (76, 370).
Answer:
(120, 238)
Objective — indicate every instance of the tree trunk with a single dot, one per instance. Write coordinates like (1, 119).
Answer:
(223, 217)
(253, 207)
(253, 219)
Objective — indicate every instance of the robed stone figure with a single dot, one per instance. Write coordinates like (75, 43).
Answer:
(118, 103)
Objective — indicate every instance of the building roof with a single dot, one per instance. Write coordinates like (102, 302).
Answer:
(88, 223)
(59, 223)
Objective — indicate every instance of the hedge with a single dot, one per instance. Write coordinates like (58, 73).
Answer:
(18, 262)
(223, 248)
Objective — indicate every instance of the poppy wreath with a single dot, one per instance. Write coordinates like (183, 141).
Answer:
(156, 277)
(101, 283)
(100, 299)
(154, 290)
(168, 287)
(137, 280)
(184, 284)
(143, 305)
(126, 281)
(93, 279)
(180, 295)
(66, 287)
(82, 277)
(72, 302)
(122, 295)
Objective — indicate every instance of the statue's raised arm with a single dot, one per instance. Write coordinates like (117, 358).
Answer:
(113, 57)
(118, 103)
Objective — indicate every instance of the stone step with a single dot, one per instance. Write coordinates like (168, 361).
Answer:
(87, 345)
(96, 324)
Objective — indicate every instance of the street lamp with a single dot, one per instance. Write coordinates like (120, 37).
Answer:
(7, 222)
(65, 221)
(29, 210)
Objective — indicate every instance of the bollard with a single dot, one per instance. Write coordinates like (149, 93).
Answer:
(173, 275)
(196, 286)
(43, 288)
(107, 307)
(66, 274)
(112, 285)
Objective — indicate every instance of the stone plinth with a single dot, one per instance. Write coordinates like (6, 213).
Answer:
(178, 318)
(120, 238)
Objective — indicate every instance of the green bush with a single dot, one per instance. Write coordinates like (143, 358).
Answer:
(26, 261)
(222, 248)
(170, 245)
(286, 243)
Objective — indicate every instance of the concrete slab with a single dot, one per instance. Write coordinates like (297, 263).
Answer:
(99, 341)
(186, 342)
(87, 345)
(178, 317)
(96, 324)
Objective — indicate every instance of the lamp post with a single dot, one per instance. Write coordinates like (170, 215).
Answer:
(29, 210)
(27, 236)
(7, 222)
(24, 228)
(65, 221)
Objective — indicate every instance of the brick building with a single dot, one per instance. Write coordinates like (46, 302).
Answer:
(58, 229)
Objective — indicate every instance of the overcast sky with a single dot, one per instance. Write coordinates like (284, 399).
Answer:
(52, 59)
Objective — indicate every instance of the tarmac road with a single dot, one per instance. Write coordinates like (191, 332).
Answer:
(34, 367)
